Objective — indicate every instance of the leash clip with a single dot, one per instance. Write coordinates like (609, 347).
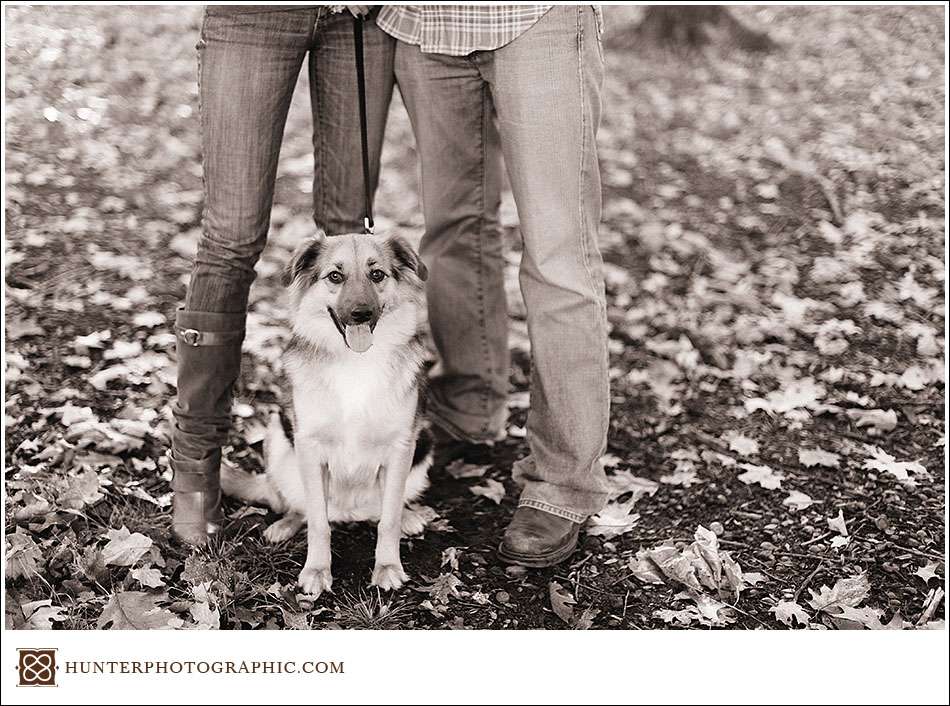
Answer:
(368, 225)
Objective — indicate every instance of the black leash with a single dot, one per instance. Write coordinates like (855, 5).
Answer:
(361, 89)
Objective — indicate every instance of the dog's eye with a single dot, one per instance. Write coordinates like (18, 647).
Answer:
(335, 277)
(377, 276)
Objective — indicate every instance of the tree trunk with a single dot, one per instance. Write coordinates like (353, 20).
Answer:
(693, 26)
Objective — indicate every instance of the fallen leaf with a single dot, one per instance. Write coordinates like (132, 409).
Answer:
(458, 469)
(204, 610)
(81, 490)
(40, 615)
(818, 457)
(799, 394)
(69, 414)
(645, 565)
(683, 618)
(491, 489)
(561, 602)
(882, 461)
(623, 482)
(614, 520)
(789, 612)
(928, 571)
(798, 500)
(914, 378)
(831, 337)
(585, 621)
(933, 625)
(148, 319)
(685, 478)
(908, 288)
(743, 445)
(849, 618)
(450, 558)
(123, 349)
(710, 610)
(205, 616)
(848, 592)
(23, 556)
(124, 548)
(763, 475)
(82, 344)
(16, 328)
(150, 577)
(838, 524)
(700, 567)
(137, 610)
(443, 588)
(293, 620)
(830, 232)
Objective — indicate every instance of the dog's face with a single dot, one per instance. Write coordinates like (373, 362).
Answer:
(353, 282)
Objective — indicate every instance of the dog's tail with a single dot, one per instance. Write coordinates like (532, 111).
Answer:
(256, 488)
(252, 488)
(422, 456)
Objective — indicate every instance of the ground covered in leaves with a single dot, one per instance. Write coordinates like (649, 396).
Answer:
(774, 231)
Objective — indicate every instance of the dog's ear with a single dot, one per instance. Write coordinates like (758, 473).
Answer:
(304, 257)
(406, 258)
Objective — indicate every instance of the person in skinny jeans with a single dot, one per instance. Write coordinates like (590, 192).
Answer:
(249, 59)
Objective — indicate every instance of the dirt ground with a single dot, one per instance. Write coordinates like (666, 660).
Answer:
(773, 227)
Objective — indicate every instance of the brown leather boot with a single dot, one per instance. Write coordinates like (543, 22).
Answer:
(209, 361)
(538, 539)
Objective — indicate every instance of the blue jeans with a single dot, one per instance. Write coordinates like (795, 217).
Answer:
(536, 101)
(248, 64)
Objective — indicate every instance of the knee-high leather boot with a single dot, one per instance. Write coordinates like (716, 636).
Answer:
(209, 361)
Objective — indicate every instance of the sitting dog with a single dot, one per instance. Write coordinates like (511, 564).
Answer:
(350, 445)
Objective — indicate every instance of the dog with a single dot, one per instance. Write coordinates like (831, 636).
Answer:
(349, 443)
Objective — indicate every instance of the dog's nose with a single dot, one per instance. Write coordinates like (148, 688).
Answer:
(361, 316)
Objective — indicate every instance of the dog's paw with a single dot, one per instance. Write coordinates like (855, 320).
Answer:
(315, 580)
(284, 528)
(389, 577)
(413, 522)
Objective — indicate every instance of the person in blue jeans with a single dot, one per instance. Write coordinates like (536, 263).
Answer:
(249, 59)
(523, 82)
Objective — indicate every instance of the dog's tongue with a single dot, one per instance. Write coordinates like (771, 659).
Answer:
(359, 338)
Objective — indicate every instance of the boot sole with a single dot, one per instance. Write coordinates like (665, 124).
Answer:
(196, 536)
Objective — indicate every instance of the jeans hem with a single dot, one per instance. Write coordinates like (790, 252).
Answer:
(456, 431)
(553, 510)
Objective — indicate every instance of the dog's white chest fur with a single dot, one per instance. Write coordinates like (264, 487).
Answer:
(356, 414)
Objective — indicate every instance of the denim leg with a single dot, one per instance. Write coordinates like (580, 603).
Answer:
(452, 116)
(546, 86)
(338, 177)
(247, 69)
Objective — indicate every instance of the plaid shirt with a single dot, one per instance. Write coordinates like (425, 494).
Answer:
(458, 30)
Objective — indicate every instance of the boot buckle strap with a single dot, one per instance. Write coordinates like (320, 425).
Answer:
(191, 476)
(190, 336)
(183, 482)
(195, 338)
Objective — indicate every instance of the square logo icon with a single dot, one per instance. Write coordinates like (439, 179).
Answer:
(37, 667)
